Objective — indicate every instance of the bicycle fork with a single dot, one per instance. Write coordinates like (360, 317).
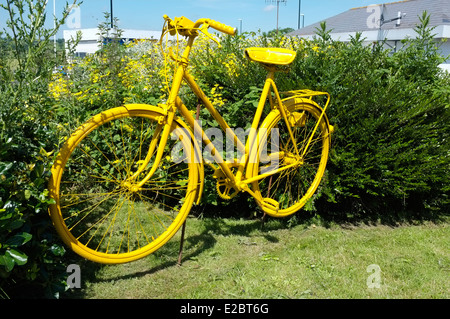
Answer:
(130, 182)
(164, 124)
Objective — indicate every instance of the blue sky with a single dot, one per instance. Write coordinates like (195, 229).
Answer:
(255, 14)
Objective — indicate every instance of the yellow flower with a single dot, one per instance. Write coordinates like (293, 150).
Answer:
(231, 65)
(59, 86)
(128, 128)
(216, 98)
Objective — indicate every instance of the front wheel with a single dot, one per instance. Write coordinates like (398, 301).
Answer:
(99, 211)
(284, 193)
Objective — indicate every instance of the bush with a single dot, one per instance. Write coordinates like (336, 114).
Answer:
(391, 110)
(30, 255)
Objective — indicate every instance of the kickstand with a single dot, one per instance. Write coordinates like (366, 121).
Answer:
(263, 221)
(180, 253)
(183, 229)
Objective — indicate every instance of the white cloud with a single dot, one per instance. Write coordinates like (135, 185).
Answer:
(269, 8)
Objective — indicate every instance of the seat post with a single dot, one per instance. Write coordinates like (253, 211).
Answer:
(271, 74)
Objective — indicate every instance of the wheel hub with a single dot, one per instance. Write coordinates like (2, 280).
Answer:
(291, 159)
(132, 188)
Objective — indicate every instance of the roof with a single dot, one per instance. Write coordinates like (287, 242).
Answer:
(365, 18)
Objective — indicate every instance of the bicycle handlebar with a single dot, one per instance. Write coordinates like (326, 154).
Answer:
(221, 27)
(186, 27)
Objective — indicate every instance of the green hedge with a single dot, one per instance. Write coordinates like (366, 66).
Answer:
(391, 110)
(30, 254)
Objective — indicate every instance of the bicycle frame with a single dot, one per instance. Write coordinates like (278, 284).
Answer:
(242, 178)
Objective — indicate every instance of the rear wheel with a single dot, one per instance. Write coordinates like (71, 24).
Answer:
(286, 192)
(99, 211)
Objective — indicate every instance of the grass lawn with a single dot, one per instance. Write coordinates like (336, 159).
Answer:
(229, 258)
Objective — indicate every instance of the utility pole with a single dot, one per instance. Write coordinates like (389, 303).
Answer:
(383, 21)
(278, 8)
(112, 15)
(54, 27)
(299, 12)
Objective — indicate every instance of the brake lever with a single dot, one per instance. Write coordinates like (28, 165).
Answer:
(204, 30)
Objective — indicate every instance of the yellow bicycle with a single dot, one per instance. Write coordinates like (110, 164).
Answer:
(124, 182)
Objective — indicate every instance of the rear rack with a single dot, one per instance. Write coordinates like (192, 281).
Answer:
(306, 94)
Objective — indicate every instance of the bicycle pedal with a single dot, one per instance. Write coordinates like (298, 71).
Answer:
(271, 204)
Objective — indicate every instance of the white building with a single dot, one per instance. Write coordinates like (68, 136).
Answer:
(392, 22)
(90, 41)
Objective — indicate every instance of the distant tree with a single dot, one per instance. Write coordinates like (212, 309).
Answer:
(274, 32)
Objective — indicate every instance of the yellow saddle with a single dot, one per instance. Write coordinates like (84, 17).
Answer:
(271, 56)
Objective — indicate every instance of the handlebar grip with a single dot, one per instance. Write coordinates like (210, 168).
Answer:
(222, 27)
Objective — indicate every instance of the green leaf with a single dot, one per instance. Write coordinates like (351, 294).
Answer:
(11, 206)
(57, 250)
(19, 257)
(27, 194)
(7, 261)
(16, 224)
(19, 239)
(4, 167)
